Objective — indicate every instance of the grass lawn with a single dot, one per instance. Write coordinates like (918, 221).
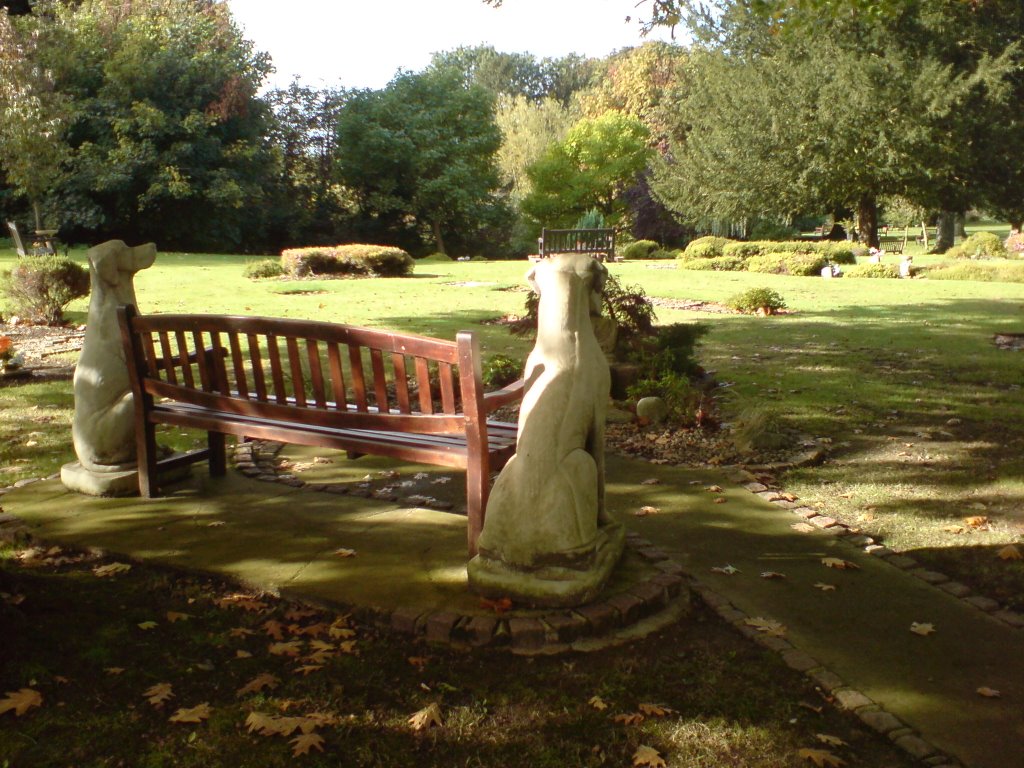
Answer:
(924, 417)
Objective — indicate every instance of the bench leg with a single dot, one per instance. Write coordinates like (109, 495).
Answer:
(478, 484)
(146, 455)
(218, 454)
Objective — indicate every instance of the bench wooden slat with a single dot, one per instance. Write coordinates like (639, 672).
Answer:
(217, 355)
(355, 360)
(423, 385)
(258, 380)
(276, 371)
(337, 376)
(295, 368)
(447, 388)
(205, 375)
(151, 356)
(380, 383)
(401, 383)
(316, 373)
(167, 357)
(186, 366)
(238, 365)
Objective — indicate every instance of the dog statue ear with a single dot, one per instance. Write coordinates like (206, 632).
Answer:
(104, 264)
(600, 276)
(531, 278)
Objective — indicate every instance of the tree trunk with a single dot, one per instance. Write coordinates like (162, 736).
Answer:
(960, 228)
(947, 227)
(438, 239)
(867, 221)
(39, 221)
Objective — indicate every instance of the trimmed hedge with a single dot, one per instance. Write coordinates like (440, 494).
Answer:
(718, 264)
(802, 264)
(980, 245)
(763, 301)
(872, 270)
(354, 259)
(639, 249)
(705, 247)
(264, 268)
(739, 255)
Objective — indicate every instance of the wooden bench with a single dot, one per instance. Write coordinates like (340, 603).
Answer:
(313, 383)
(596, 242)
(894, 243)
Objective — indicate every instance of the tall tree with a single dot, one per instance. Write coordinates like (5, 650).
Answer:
(527, 130)
(422, 151)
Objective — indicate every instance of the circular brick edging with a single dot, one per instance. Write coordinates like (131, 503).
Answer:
(868, 545)
(549, 631)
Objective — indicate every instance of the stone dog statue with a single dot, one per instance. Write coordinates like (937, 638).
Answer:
(103, 428)
(547, 539)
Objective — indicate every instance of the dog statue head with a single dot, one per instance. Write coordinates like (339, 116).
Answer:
(567, 267)
(113, 264)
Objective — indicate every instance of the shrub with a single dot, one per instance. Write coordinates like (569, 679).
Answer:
(40, 287)
(1006, 272)
(746, 250)
(802, 264)
(717, 264)
(759, 429)
(1014, 245)
(705, 247)
(763, 301)
(980, 245)
(380, 260)
(772, 230)
(842, 252)
(662, 254)
(638, 249)
(872, 270)
(501, 370)
(678, 392)
(258, 270)
(303, 262)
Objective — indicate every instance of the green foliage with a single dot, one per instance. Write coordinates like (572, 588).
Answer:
(354, 259)
(715, 263)
(592, 219)
(757, 301)
(989, 272)
(663, 254)
(528, 129)
(39, 288)
(678, 392)
(788, 263)
(501, 370)
(705, 247)
(264, 268)
(766, 229)
(872, 270)
(760, 429)
(638, 249)
(980, 245)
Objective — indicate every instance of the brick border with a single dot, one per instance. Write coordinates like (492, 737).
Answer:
(853, 537)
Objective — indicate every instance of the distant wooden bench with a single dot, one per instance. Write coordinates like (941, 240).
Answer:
(894, 243)
(597, 242)
(313, 383)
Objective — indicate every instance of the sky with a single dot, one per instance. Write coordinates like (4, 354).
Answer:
(362, 43)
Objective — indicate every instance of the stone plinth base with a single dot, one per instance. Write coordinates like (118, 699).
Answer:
(77, 478)
(551, 585)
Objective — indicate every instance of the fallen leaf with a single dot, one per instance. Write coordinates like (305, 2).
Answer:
(194, 714)
(728, 570)
(649, 757)
(922, 629)
(426, 717)
(418, 661)
(597, 703)
(344, 552)
(629, 718)
(645, 511)
(308, 669)
(258, 683)
(245, 602)
(772, 575)
(976, 521)
(215, 524)
(298, 614)
(240, 654)
(768, 626)
(654, 710)
(651, 481)
(240, 632)
(348, 647)
(714, 489)
(839, 564)
(803, 527)
(988, 693)
(258, 722)
(821, 758)
(111, 570)
(274, 628)
(720, 500)
(832, 741)
(825, 587)
(313, 630)
(21, 701)
(499, 606)
(1009, 552)
(147, 625)
(173, 616)
(159, 694)
(114, 670)
(953, 529)
(302, 743)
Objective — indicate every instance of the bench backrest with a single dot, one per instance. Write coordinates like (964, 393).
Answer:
(306, 371)
(600, 241)
(18, 245)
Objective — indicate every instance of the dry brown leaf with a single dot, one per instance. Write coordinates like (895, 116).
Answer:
(821, 758)
(245, 602)
(258, 683)
(257, 722)
(341, 633)
(302, 743)
(922, 629)
(344, 552)
(771, 575)
(825, 587)
(654, 710)
(147, 625)
(647, 757)
(597, 703)
(728, 570)
(290, 648)
(21, 701)
(426, 717)
(113, 670)
(832, 741)
(645, 511)
(298, 614)
(839, 564)
(159, 694)
(714, 489)
(988, 693)
(803, 527)
(499, 606)
(1009, 552)
(308, 669)
(240, 654)
(768, 626)
(111, 570)
(240, 632)
(720, 500)
(274, 628)
(976, 521)
(173, 616)
(194, 714)
(348, 647)
(628, 718)
(651, 481)
(418, 661)
(313, 630)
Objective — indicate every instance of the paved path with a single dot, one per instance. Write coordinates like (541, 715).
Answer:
(855, 639)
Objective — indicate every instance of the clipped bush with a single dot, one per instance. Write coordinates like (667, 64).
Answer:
(717, 264)
(303, 262)
(842, 252)
(1014, 245)
(662, 254)
(761, 301)
(746, 250)
(980, 245)
(260, 270)
(872, 270)
(705, 247)
(638, 249)
(380, 260)
(39, 288)
(1003, 272)
(799, 264)
(501, 370)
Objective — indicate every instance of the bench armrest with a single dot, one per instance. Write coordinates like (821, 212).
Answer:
(504, 396)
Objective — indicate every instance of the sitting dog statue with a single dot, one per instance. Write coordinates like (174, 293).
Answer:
(103, 428)
(547, 539)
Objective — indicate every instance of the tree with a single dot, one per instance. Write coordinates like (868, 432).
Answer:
(598, 159)
(165, 138)
(527, 130)
(421, 151)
